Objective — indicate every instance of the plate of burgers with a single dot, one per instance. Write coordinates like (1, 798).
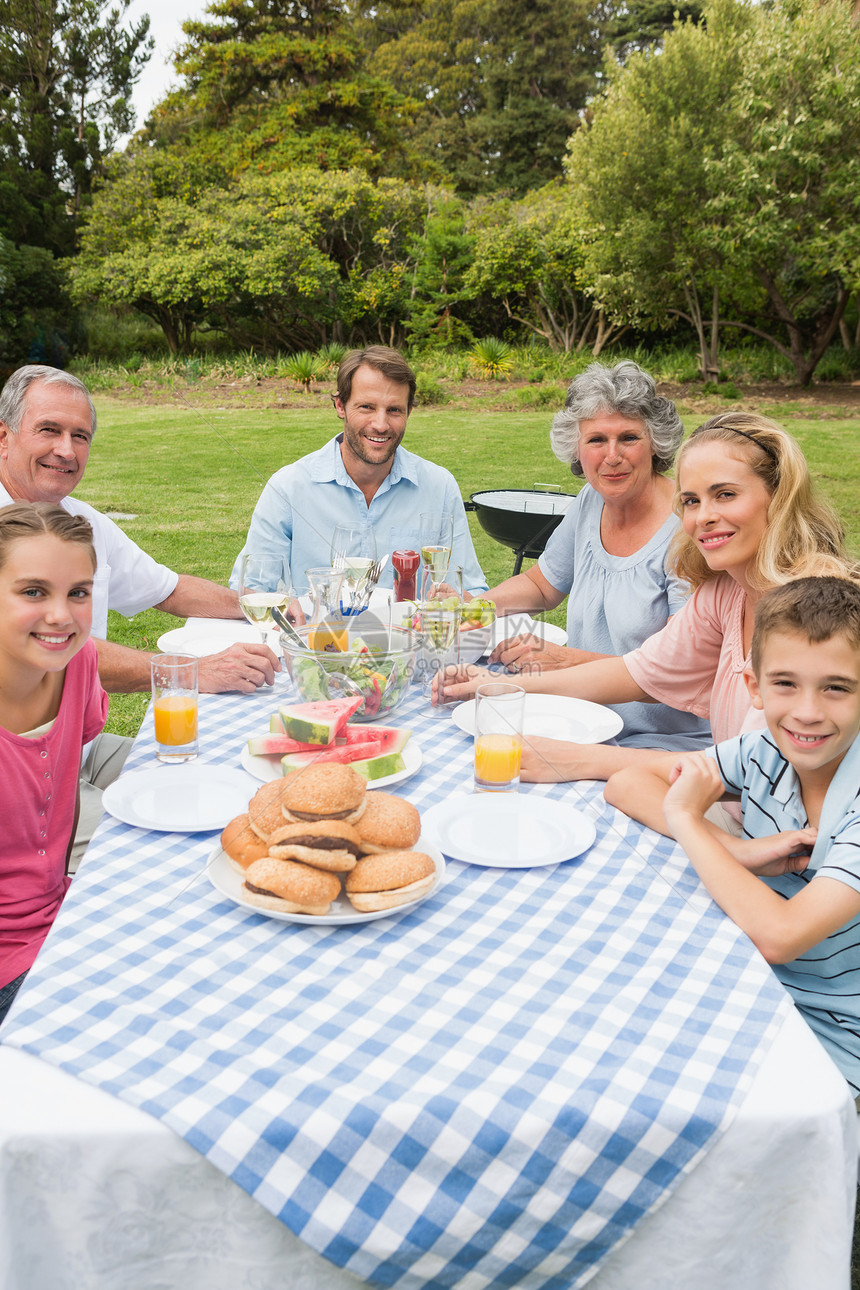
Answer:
(316, 847)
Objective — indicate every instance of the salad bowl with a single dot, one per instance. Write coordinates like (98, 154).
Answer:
(363, 660)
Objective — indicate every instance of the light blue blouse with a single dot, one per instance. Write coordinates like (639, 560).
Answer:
(614, 603)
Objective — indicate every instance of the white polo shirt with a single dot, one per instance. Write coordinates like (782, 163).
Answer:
(127, 579)
(824, 982)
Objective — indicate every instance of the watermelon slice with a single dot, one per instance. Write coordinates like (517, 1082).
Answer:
(278, 744)
(317, 723)
(385, 748)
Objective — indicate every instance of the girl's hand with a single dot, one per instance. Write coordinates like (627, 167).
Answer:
(695, 786)
(780, 853)
(462, 682)
(554, 761)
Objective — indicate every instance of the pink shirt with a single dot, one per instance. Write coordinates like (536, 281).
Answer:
(696, 663)
(38, 796)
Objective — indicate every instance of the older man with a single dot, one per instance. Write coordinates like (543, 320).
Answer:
(362, 477)
(47, 423)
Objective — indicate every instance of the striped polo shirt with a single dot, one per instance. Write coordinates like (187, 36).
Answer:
(824, 982)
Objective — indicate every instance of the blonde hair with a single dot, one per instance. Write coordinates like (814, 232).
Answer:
(803, 537)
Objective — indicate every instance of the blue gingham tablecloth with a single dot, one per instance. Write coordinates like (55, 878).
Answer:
(490, 1091)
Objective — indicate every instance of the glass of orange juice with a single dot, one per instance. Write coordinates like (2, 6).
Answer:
(499, 709)
(174, 703)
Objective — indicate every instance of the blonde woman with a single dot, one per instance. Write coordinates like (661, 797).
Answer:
(750, 520)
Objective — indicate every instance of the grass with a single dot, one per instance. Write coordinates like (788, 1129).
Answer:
(191, 475)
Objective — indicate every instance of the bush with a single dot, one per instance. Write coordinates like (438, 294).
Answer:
(492, 358)
(428, 390)
(545, 396)
(303, 368)
(330, 356)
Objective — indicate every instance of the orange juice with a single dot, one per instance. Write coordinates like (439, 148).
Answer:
(497, 759)
(176, 719)
(325, 636)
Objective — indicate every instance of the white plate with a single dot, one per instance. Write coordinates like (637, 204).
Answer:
(189, 798)
(508, 830)
(201, 641)
(228, 881)
(554, 717)
(266, 768)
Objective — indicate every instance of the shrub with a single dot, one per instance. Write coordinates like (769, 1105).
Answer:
(330, 355)
(302, 368)
(492, 358)
(428, 390)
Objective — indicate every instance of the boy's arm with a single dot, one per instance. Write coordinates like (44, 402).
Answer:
(780, 929)
(640, 791)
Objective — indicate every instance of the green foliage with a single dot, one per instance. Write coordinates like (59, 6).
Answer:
(786, 190)
(500, 82)
(329, 356)
(274, 261)
(428, 390)
(271, 84)
(66, 74)
(491, 358)
(303, 368)
(34, 310)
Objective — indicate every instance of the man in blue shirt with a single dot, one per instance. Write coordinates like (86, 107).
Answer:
(362, 477)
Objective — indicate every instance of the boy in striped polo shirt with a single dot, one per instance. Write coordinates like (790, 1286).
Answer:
(799, 785)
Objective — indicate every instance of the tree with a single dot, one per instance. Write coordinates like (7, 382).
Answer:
(67, 68)
(275, 83)
(285, 261)
(786, 191)
(529, 255)
(500, 82)
(641, 175)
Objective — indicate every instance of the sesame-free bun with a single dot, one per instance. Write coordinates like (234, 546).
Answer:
(389, 879)
(240, 843)
(329, 791)
(265, 811)
(285, 886)
(332, 845)
(389, 823)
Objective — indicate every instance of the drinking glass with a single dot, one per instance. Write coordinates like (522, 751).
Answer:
(404, 544)
(437, 540)
(264, 584)
(353, 551)
(174, 701)
(441, 631)
(499, 709)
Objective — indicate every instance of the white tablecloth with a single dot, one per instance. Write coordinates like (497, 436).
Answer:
(96, 1194)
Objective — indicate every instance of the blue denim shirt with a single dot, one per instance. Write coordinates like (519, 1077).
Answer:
(303, 502)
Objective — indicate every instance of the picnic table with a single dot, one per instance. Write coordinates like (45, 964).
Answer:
(539, 1077)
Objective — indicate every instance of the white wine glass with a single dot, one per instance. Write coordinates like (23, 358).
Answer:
(437, 541)
(440, 628)
(353, 551)
(264, 584)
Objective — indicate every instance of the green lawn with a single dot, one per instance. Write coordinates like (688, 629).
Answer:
(191, 476)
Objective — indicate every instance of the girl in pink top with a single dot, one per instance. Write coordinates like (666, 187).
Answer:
(51, 703)
(750, 521)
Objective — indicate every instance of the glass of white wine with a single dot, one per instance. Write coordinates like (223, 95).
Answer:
(437, 541)
(264, 584)
(353, 551)
(440, 628)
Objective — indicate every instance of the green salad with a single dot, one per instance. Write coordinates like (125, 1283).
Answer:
(367, 670)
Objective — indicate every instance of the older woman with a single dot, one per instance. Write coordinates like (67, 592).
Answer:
(608, 556)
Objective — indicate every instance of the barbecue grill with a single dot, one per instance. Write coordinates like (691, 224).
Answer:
(522, 519)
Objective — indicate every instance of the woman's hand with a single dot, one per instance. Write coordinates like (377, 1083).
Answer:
(532, 653)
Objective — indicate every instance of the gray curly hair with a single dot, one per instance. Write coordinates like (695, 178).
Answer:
(627, 390)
